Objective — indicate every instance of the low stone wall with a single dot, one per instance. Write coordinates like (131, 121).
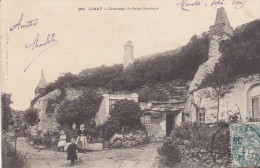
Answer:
(197, 156)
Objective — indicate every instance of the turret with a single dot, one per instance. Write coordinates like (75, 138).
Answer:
(41, 85)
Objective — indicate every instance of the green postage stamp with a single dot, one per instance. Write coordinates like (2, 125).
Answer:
(245, 143)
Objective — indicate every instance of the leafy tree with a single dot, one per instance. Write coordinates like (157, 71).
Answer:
(6, 110)
(124, 117)
(80, 110)
(31, 116)
(126, 113)
(241, 52)
(218, 85)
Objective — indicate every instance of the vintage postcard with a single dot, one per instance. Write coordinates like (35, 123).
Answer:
(130, 84)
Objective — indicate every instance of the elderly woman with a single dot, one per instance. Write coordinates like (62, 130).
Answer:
(72, 152)
(62, 141)
(81, 139)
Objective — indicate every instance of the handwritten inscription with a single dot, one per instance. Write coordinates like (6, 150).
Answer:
(36, 44)
(21, 25)
(239, 3)
(187, 5)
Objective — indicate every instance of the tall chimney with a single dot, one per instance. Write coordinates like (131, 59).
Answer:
(128, 54)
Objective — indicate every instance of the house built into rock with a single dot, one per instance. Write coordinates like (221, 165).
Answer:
(185, 100)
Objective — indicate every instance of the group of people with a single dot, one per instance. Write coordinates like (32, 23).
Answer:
(78, 144)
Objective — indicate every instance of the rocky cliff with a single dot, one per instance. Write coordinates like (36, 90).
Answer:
(48, 118)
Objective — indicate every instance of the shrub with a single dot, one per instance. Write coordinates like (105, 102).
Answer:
(45, 141)
(10, 159)
(31, 116)
(126, 114)
(108, 129)
(169, 154)
(204, 144)
(80, 110)
(124, 118)
(70, 133)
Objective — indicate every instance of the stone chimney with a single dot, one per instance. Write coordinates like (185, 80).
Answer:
(222, 25)
(221, 30)
(128, 54)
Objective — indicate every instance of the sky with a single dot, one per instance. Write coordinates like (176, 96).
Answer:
(90, 38)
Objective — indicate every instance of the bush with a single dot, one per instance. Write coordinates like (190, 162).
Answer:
(169, 154)
(10, 159)
(70, 133)
(124, 118)
(193, 143)
(108, 129)
(126, 114)
(31, 116)
(45, 141)
(80, 110)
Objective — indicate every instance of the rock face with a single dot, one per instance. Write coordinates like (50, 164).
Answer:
(221, 30)
(208, 66)
(48, 120)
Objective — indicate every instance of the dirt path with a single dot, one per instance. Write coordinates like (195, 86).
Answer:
(140, 157)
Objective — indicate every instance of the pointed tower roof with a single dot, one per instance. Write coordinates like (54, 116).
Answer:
(42, 83)
(222, 17)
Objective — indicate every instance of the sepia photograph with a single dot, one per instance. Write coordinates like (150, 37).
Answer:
(130, 83)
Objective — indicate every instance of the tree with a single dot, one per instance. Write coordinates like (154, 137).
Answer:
(218, 85)
(6, 110)
(127, 114)
(31, 116)
(80, 110)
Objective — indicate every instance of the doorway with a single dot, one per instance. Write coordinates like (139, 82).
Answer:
(170, 123)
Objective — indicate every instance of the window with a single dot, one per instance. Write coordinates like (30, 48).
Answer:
(146, 120)
(201, 116)
(255, 109)
(111, 104)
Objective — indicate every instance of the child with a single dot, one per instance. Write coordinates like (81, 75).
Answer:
(72, 152)
(62, 141)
